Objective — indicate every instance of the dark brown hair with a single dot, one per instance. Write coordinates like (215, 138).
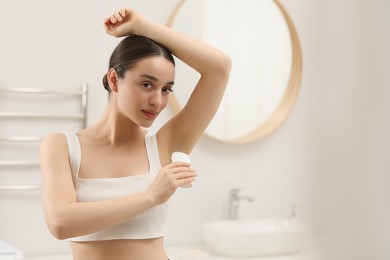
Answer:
(132, 49)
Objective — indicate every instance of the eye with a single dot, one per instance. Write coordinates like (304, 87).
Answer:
(147, 85)
(167, 90)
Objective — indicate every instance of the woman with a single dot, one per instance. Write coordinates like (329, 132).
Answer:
(105, 188)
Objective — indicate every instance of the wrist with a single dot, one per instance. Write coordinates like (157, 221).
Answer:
(145, 28)
(140, 27)
(150, 199)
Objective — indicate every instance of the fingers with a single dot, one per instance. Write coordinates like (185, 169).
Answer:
(123, 22)
(123, 11)
(182, 181)
(177, 164)
(186, 183)
(179, 173)
(182, 176)
(116, 17)
(113, 23)
(181, 170)
(170, 177)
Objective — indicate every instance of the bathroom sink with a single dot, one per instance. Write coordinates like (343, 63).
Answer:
(248, 238)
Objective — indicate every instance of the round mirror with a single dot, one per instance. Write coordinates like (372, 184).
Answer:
(264, 47)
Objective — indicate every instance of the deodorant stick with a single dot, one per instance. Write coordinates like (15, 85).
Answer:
(181, 157)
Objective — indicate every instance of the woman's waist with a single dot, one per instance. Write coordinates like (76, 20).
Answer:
(129, 249)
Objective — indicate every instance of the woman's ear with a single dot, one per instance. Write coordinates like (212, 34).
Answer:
(112, 78)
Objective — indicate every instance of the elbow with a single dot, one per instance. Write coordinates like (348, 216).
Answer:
(218, 66)
(58, 229)
(226, 65)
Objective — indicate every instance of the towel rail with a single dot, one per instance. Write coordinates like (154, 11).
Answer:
(20, 139)
(41, 115)
(84, 100)
(19, 163)
(43, 91)
(19, 187)
(81, 94)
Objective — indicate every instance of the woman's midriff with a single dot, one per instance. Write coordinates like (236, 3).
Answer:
(123, 249)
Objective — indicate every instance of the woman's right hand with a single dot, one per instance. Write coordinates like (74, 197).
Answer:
(123, 22)
(169, 179)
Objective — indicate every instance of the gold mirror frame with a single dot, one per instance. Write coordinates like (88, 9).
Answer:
(289, 98)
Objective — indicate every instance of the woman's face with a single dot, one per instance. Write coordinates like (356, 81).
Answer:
(143, 92)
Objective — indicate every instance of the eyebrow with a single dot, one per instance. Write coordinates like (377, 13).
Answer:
(156, 79)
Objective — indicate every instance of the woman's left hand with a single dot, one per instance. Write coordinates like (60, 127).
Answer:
(123, 22)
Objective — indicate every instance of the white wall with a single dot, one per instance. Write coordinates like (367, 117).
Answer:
(344, 108)
(330, 156)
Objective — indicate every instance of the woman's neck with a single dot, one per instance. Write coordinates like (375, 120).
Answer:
(116, 128)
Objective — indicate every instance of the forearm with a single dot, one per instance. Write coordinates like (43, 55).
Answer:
(81, 218)
(199, 55)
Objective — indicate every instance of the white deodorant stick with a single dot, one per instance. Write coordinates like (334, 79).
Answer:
(181, 157)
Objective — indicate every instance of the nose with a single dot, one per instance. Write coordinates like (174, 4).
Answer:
(156, 99)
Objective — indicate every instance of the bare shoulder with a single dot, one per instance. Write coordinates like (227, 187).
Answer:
(53, 138)
(53, 142)
(54, 156)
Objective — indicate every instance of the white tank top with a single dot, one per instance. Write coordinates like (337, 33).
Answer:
(149, 224)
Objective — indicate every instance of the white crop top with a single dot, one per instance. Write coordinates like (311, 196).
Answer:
(149, 224)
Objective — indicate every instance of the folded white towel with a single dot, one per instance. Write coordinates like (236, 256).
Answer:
(8, 252)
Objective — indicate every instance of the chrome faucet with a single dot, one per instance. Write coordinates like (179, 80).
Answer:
(234, 200)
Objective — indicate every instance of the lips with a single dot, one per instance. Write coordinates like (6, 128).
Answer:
(149, 113)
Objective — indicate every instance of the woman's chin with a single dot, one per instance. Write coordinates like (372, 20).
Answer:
(146, 124)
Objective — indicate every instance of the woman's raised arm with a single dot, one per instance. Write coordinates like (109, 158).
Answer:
(184, 130)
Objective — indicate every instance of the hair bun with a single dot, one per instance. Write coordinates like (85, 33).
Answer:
(105, 83)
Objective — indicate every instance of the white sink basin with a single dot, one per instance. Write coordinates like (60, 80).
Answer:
(246, 238)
